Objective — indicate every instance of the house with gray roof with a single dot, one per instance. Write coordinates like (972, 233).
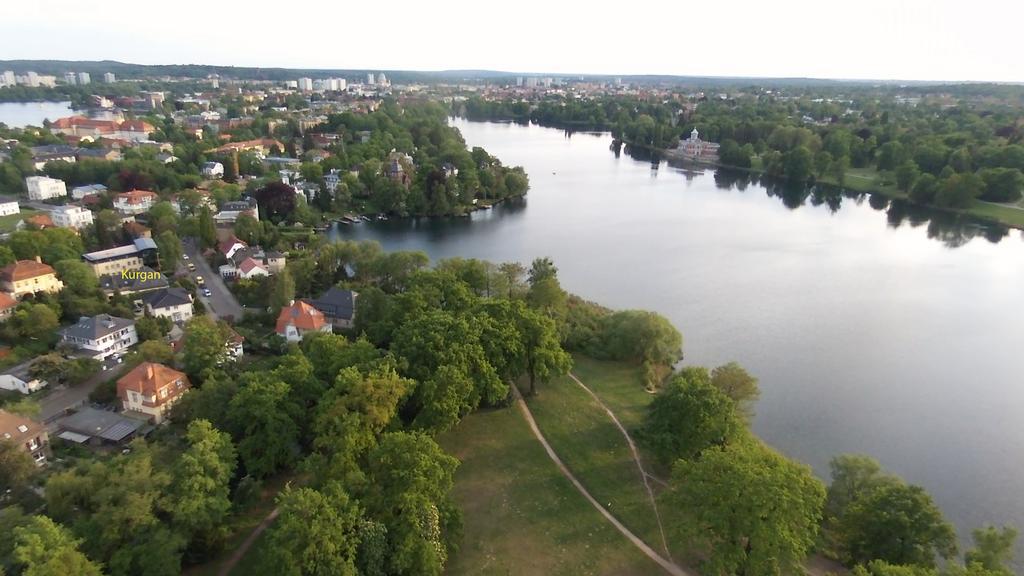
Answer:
(144, 279)
(92, 426)
(101, 336)
(174, 303)
(338, 306)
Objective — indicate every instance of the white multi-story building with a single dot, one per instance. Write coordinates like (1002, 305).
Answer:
(109, 78)
(8, 208)
(382, 80)
(369, 78)
(70, 78)
(101, 336)
(7, 78)
(44, 188)
(305, 84)
(83, 78)
(71, 216)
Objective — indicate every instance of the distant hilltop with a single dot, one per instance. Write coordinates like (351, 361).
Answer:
(129, 71)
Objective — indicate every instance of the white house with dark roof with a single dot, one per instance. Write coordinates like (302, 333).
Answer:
(101, 336)
(19, 379)
(174, 303)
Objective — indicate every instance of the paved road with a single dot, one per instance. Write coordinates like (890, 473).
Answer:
(221, 303)
(62, 398)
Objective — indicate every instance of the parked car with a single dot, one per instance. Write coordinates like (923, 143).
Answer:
(207, 293)
(200, 281)
(191, 267)
(184, 257)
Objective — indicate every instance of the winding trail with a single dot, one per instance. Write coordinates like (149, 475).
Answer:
(669, 566)
(238, 554)
(636, 458)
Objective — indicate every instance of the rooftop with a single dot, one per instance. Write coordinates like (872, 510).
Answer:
(96, 327)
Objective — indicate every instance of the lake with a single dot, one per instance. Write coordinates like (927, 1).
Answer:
(873, 328)
(21, 114)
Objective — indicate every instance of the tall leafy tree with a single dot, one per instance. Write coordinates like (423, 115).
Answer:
(45, 548)
(262, 417)
(689, 416)
(16, 466)
(750, 509)
(316, 533)
(993, 548)
(739, 385)
(201, 498)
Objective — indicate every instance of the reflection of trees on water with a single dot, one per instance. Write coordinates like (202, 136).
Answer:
(953, 230)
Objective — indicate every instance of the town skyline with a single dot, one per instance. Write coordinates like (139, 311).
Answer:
(913, 40)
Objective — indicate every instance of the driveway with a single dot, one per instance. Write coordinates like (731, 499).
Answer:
(63, 397)
(221, 303)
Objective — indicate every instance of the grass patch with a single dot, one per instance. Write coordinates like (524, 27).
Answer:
(7, 223)
(590, 444)
(520, 515)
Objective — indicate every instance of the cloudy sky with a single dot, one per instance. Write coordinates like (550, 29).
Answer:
(883, 39)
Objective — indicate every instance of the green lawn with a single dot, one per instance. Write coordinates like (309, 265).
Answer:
(7, 223)
(521, 516)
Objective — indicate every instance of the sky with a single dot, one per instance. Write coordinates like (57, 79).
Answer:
(864, 39)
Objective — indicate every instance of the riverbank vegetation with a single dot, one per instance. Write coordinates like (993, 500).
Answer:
(943, 148)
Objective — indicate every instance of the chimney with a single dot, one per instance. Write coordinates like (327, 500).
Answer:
(39, 260)
(149, 371)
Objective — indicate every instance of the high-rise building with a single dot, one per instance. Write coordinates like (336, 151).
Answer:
(109, 78)
(369, 77)
(519, 80)
(70, 78)
(83, 78)
(382, 80)
(7, 78)
(306, 84)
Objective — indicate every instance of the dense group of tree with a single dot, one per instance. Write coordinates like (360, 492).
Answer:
(745, 509)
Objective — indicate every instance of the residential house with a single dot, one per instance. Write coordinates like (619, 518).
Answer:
(29, 277)
(7, 306)
(71, 216)
(251, 268)
(79, 192)
(110, 155)
(152, 389)
(134, 130)
(299, 319)
(135, 202)
(213, 170)
(144, 279)
(400, 168)
(82, 126)
(338, 306)
(27, 434)
(122, 258)
(45, 188)
(20, 379)
(262, 147)
(101, 336)
(230, 211)
(228, 247)
(53, 153)
(332, 179)
(253, 261)
(165, 158)
(173, 303)
(233, 348)
(8, 208)
(136, 230)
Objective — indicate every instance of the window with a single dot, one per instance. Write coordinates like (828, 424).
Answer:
(22, 428)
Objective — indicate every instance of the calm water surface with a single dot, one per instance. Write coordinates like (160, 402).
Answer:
(21, 114)
(872, 330)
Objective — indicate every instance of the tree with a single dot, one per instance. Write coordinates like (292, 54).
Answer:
(283, 292)
(799, 163)
(203, 347)
(248, 229)
(906, 174)
(16, 467)
(276, 200)
(896, 523)
(736, 383)
(923, 191)
(689, 416)
(512, 273)
(544, 357)
(6, 256)
(547, 296)
(207, 228)
(316, 533)
(45, 548)
(541, 269)
(410, 480)
(1002, 184)
(261, 416)
(959, 190)
(169, 250)
(77, 276)
(993, 548)
(35, 321)
(152, 327)
(642, 337)
(751, 510)
(201, 492)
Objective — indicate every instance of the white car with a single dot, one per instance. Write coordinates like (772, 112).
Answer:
(184, 256)
(207, 293)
